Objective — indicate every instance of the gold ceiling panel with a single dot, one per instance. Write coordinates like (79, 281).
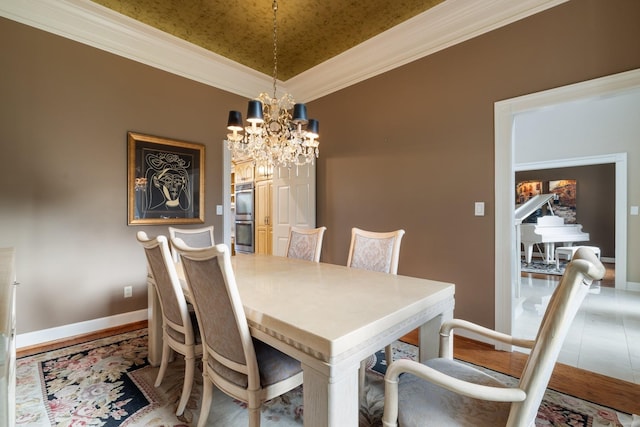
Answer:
(309, 31)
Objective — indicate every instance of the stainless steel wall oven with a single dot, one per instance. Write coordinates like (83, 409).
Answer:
(244, 224)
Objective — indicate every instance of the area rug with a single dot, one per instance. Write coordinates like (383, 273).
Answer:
(541, 267)
(108, 382)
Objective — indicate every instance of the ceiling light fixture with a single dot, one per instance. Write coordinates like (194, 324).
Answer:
(275, 135)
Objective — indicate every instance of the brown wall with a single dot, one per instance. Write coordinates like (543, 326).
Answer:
(64, 116)
(595, 200)
(411, 148)
(414, 148)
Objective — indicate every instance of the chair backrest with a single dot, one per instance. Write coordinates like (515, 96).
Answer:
(563, 306)
(375, 251)
(175, 313)
(193, 237)
(305, 243)
(226, 339)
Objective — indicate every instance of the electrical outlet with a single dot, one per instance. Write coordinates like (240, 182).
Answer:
(128, 291)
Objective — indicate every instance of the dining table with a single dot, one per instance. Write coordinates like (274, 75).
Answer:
(330, 318)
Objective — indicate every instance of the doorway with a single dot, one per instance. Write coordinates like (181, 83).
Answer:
(577, 147)
(294, 200)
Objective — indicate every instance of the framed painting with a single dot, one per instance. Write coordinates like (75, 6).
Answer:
(564, 200)
(526, 190)
(165, 181)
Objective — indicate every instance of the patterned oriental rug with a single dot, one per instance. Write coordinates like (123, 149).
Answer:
(108, 382)
(542, 268)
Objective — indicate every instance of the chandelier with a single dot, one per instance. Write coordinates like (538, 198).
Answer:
(275, 134)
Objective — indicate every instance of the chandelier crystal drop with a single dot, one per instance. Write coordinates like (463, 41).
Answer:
(278, 132)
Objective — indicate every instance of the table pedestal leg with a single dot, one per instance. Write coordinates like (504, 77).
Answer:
(331, 402)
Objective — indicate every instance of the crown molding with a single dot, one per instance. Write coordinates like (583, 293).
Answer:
(445, 25)
(95, 25)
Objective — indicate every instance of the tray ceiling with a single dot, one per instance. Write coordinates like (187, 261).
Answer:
(323, 46)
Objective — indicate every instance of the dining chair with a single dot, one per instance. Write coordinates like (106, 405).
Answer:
(180, 331)
(449, 392)
(374, 251)
(305, 243)
(194, 237)
(239, 365)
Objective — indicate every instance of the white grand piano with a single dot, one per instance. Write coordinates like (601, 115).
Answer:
(548, 230)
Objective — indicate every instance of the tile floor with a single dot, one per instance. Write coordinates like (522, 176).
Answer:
(604, 336)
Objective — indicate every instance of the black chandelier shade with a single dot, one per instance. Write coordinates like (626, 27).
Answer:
(255, 115)
(313, 128)
(235, 121)
(254, 112)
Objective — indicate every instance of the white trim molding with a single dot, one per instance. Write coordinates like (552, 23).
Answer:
(445, 25)
(92, 24)
(67, 331)
(505, 168)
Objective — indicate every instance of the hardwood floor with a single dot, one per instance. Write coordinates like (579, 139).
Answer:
(53, 345)
(616, 394)
(608, 281)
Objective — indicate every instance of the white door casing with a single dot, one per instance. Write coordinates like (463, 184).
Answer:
(506, 113)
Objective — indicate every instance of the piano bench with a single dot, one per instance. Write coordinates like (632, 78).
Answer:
(569, 251)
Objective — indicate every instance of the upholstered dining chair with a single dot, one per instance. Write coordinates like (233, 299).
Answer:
(305, 243)
(448, 392)
(194, 237)
(180, 331)
(375, 251)
(237, 364)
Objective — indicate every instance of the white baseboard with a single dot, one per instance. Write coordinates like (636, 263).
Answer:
(67, 331)
(633, 286)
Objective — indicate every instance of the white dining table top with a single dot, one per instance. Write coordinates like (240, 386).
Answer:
(325, 308)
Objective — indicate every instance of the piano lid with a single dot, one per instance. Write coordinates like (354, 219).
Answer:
(530, 206)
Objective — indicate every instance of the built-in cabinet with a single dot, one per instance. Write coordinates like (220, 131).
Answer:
(263, 171)
(244, 172)
(264, 229)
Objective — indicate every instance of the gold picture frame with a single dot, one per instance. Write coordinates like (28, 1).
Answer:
(165, 181)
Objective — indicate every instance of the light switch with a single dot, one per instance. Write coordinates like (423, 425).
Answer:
(634, 210)
(479, 209)
(218, 209)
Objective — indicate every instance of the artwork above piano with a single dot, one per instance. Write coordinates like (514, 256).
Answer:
(563, 203)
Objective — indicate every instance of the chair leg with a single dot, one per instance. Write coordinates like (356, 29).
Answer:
(207, 397)
(254, 417)
(388, 354)
(189, 370)
(361, 379)
(166, 354)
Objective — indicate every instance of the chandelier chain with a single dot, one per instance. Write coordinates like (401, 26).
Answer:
(279, 132)
(275, 46)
